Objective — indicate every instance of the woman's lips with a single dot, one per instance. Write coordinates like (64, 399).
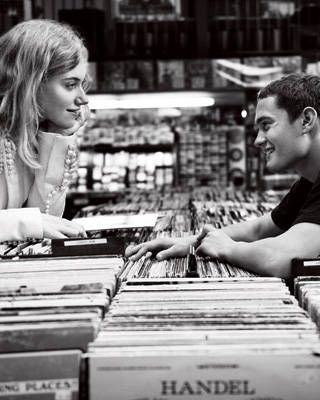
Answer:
(76, 113)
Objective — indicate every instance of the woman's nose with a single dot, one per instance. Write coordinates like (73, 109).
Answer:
(81, 100)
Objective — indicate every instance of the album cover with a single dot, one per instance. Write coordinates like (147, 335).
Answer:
(201, 372)
(139, 75)
(40, 375)
(47, 335)
(198, 74)
(170, 75)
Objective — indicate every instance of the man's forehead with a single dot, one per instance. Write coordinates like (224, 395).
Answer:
(266, 108)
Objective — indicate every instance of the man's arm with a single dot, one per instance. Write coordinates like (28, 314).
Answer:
(247, 231)
(253, 229)
(270, 256)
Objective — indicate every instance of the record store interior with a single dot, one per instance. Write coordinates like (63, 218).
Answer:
(169, 152)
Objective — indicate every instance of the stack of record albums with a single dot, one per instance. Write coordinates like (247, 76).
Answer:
(94, 325)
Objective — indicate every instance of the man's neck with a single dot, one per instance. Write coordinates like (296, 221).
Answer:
(309, 167)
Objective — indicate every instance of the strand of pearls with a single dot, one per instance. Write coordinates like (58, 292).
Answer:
(70, 171)
(7, 155)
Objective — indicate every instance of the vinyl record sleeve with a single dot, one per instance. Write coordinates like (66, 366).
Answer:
(243, 376)
(56, 335)
(117, 221)
(40, 375)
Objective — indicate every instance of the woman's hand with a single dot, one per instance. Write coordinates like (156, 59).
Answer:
(60, 228)
(163, 248)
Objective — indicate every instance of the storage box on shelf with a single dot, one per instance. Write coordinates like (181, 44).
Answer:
(117, 153)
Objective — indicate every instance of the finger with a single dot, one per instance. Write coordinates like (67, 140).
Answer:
(148, 254)
(139, 254)
(206, 249)
(170, 252)
(71, 231)
(73, 227)
(85, 112)
(132, 249)
(205, 230)
(200, 249)
(203, 250)
(83, 234)
(82, 231)
(208, 228)
(54, 235)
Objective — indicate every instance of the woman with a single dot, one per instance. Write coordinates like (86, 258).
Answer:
(42, 105)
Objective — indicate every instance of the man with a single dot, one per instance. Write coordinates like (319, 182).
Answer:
(288, 124)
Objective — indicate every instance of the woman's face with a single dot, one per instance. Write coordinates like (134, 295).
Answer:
(61, 97)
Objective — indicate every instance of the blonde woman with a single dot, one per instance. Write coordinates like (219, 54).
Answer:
(43, 70)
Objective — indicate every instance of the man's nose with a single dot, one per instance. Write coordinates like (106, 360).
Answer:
(260, 139)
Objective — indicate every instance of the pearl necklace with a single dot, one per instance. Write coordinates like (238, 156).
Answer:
(7, 155)
(70, 171)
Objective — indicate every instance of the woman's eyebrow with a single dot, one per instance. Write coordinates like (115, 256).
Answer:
(71, 78)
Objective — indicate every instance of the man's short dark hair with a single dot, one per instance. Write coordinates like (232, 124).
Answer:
(293, 93)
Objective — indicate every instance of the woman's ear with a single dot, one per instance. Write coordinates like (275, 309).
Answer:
(309, 118)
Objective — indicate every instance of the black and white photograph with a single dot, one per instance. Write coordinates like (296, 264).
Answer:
(159, 199)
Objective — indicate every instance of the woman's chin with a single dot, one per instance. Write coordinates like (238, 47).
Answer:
(53, 127)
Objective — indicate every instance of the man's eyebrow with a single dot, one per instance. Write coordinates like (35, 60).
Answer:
(260, 119)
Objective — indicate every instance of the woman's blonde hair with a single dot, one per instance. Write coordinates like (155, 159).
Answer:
(31, 53)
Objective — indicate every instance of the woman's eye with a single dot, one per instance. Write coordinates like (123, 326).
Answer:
(85, 85)
(71, 86)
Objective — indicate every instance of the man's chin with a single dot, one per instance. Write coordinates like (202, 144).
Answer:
(272, 167)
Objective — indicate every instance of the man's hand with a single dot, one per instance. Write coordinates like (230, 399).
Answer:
(60, 228)
(214, 243)
(163, 248)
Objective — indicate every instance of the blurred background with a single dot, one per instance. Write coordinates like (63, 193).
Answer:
(173, 88)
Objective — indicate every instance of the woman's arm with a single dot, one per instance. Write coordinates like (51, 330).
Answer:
(29, 223)
(20, 224)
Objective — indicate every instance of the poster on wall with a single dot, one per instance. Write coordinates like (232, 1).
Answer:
(139, 75)
(113, 76)
(170, 75)
(253, 72)
(141, 9)
(198, 74)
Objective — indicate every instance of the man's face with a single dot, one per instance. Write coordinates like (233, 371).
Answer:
(280, 140)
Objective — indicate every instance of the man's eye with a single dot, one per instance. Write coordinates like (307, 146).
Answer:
(265, 126)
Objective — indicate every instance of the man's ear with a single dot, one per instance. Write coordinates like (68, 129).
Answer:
(309, 118)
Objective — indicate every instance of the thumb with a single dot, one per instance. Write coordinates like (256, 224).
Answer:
(164, 254)
(173, 251)
(206, 229)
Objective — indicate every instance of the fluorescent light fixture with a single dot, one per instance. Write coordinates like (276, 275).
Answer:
(169, 112)
(151, 100)
(244, 113)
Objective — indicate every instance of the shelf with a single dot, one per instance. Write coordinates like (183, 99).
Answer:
(135, 148)
(90, 194)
